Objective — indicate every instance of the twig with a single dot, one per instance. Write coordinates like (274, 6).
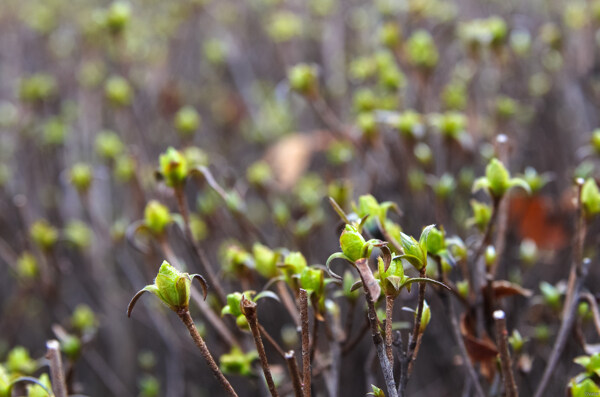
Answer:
(303, 303)
(510, 387)
(249, 310)
(388, 372)
(563, 332)
(294, 372)
(594, 308)
(184, 315)
(415, 340)
(271, 340)
(199, 252)
(288, 302)
(59, 386)
(389, 309)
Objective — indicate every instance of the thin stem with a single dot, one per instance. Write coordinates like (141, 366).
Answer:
(389, 309)
(249, 310)
(59, 386)
(579, 240)
(184, 315)
(288, 302)
(593, 308)
(199, 252)
(294, 372)
(510, 387)
(415, 340)
(388, 372)
(303, 303)
(271, 340)
(563, 332)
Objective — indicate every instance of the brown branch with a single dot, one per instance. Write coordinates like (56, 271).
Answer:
(563, 332)
(184, 315)
(415, 340)
(294, 372)
(57, 375)
(384, 363)
(303, 303)
(389, 308)
(249, 310)
(288, 302)
(510, 387)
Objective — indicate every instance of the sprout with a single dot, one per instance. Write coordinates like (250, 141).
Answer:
(497, 180)
(187, 120)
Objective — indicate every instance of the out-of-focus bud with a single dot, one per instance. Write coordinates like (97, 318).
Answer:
(118, 16)
(303, 79)
(590, 198)
(83, 318)
(516, 341)
(108, 145)
(124, 168)
(19, 361)
(425, 317)
(463, 288)
(78, 233)
(118, 91)
(173, 166)
(528, 251)
(187, 120)
(490, 255)
(260, 174)
(237, 363)
(43, 234)
(157, 217)
(265, 260)
(81, 176)
(27, 266)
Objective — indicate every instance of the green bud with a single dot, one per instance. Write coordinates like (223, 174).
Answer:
(91, 74)
(172, 287)
(352, 242)
(81, 177)
(118, 16)
(43, 234)
(463, 288)
(528, 252)
(424, 154)
(535, 181)
(156, 217)
(149, 386)
(506, 107)
(367, 124)
(595, 141)
(421, 50)
(195, 157)
(284, 26)
(20, 361)
(482, 213)
(416, 180)
(435, 241)
(37, 87)
(425, 317)
(490, 255)
(265, 261)
(237, 363)
(303, 79)
(551, 295)
(5, 384)
(452, 125)
(377, 392)
(347, 283)
(313, 280)
(118, 91)
(444, 186)
(124, 168)
(35, 390)
(364, 100)
(54, 132)
(187, 120)
(409, 123)
(233, 308)
(340, 152)
(590, 198)
(71, 346)
(520, 42)
(542, 333)
(146, 360)
(27, 266)
(198, 228)
(393, 279)
(215, 51)
(497, 180)
(78, 233)
(586, 387)
(83, 318)
(516, 341)
(296, 262)
(281, 212)
(173, 166)
(390, 35)
(455, 95)
(583, 310)
(260, 174)
(108, 145)
(236, 259)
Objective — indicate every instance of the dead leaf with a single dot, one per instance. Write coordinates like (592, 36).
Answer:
(503, 288)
